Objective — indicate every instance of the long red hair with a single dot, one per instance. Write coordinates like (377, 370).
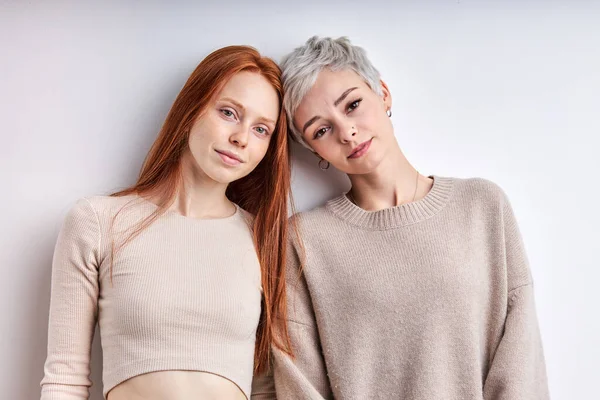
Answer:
(264, 192)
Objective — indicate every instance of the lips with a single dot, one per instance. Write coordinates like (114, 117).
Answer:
(361, 149)
(229, 158)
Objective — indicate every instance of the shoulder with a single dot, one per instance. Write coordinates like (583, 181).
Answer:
(80, 228)
(109, 212)
(99, 207)
(246, 215)
(483, 200)
(480, 192)
(315, 218)
(112, 204)
(479, 187)
(81, 215)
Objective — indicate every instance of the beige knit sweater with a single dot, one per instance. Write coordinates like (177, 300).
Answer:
(185, 295)
(424, 301)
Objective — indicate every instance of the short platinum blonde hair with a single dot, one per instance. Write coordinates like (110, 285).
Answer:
(301, 67)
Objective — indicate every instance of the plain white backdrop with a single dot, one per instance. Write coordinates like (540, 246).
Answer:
(506, 90)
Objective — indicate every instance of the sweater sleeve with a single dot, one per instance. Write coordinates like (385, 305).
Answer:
(305, 376)
(73, 306)
(263, 387)
(518, 368)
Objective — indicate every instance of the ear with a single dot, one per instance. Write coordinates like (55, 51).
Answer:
(386, 95)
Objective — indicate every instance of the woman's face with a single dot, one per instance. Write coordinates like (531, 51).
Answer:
(345, 122)
(230, 138)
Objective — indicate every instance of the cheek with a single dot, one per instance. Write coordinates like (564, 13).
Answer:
(370, 120)
(211, 127)
(374, 126)
(259, 149)
(206, 132)
(198, 142)
(329, 149)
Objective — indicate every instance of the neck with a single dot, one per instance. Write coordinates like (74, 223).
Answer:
(394, 182)
(199, 196)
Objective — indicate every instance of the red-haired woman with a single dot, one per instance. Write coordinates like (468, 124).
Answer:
(183, 271)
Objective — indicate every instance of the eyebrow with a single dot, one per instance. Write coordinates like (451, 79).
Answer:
(343, 96)
(239, 105)
(335, 103)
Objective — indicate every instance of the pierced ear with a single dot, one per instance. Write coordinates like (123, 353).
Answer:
(386, 95)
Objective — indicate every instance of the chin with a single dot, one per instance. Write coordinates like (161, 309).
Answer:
(221, 175)
(365, 166)
(228, 176)
(360, 171)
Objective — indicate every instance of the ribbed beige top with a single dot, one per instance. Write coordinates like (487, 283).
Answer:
(424, 301)
(186, 295)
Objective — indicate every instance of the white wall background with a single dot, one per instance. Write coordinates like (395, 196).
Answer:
(507, 90)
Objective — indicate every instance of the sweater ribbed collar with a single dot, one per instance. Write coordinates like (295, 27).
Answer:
(395, 217)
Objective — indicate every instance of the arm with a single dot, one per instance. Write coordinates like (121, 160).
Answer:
(518, 369)
(263, 387)
(73, 306)
(304, 377)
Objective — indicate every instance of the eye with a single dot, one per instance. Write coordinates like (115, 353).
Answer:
(227, 112)
(321, 132)
(353, 105)
(261, 130)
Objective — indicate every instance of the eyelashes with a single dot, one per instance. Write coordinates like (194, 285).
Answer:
(351, 106)
(227, 112)
(321, 132)
(231, 114)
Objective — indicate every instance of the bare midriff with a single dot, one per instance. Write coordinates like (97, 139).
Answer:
(177, 385)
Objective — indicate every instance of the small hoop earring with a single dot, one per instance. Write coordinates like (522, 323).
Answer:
(389, 112)
(323, 164)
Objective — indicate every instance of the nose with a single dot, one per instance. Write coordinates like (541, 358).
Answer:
(239, 137)
(347, 132)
